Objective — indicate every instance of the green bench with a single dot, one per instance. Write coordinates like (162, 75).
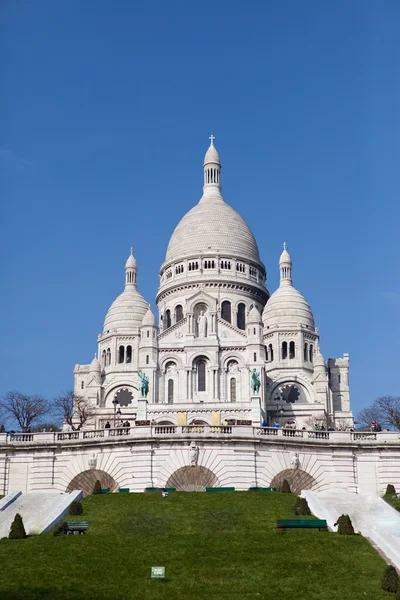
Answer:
(261, 489)
(220, 489)
(124, 490)
(75, 527)
(302, 524)
(105, 491)
(150, 489)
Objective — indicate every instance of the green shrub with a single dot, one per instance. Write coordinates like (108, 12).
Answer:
(17, 531)
(285, 487)
(345, 526)
(97, 487)
(301, 507)
(390, 490)
(390, 579)
(75, 508)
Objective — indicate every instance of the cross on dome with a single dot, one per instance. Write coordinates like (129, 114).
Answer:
(212, 138)
(131, 251)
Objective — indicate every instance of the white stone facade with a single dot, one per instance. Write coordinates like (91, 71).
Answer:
(216, 323)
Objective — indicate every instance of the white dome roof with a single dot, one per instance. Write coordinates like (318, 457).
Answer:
(95, 365)
(212, 225)
(131, 262)
(149, 318)
(254, 315)
(287, 307)
(212, 156)
(126, 312)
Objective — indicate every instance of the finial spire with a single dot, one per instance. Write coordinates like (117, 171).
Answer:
(212, 138)
(131, 251)
(284, 246)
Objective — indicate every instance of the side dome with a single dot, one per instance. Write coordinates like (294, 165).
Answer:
(287, 307)
(212, 225)
(95, 366)
(127, 311)
(149, 319)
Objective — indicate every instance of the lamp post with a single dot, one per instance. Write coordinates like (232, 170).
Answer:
(115, 402)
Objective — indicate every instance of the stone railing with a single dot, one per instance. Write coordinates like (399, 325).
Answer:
(175, 431)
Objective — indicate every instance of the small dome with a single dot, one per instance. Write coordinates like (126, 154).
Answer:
(286, 308)
(285, 256)
(254, 315)
(319, 359)
(149, 318)
(126, 312)
(212, 156)
(131, 262)
(95, 366)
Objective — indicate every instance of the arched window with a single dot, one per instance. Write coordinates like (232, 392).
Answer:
(148, 333)
(311, 352)
(83, 384)
(226, 311)
(170, 391)
(121, 354)
(306, 351)
(108, 356)
(284, 349)
(167, 319)
(178, 313)
(147, 359)
(103, 358)
(271, 353)
(241, 316)
(292, 351)
(201, 376)
(129, 354)
(233, 389)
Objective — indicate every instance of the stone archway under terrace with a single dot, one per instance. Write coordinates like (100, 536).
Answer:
(86, 479)
(298, 480)
(192, 479)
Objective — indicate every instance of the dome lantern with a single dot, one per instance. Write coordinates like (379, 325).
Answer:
(131, 269)
(212, 169)
(285, 267)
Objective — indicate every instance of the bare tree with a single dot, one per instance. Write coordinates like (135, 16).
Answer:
(384, 410)
(75, 410)
(26, 410)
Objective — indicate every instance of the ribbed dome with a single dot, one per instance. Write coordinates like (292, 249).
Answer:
(287, 307)
(126, 312)
(212, 225)
(95, 366)
(254, 315)
(212, 155)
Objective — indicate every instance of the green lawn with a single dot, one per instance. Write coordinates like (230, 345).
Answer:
(214, 546)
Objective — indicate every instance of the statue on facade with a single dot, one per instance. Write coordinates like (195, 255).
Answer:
(143, 385)
(255, 382)
(92, 461)
(294, 460)
(193, 454)
(202, 324)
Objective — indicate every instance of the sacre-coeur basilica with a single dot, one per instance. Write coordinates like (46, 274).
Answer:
(218, 326)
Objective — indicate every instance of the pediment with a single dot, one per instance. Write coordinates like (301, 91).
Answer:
(93, 382)
(321, 378)
(226, 331)
(198, 297)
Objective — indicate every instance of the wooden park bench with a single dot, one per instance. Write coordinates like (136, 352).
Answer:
(73, 526)
(302, 524)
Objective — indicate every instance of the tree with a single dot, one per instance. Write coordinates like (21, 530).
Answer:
(75, 410)
(345, 526)
(17, 531)
(285, 487)
(390, 490)
(97, 487)
(27, 410)
(384, 410)
(47, 426)
(390, 579)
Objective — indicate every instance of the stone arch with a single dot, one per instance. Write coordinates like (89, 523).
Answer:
(192, 479)
(86, 479)
(298, 480)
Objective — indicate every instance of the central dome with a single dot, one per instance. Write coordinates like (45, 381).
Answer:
(212, 225)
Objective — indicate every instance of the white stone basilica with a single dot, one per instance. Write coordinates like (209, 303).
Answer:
(217, 323)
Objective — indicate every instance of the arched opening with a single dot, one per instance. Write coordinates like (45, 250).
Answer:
(311, 352)
(298, 480)
(306, 351)
(292, 351)
(147, 359)
(226, 311)
(233, 389)
(121, 354)
(167, 320)
(284, 350)
(108, 359)
(129, 354)
(178, 313)
(201, 375)
(241, 316)
(85, 481)
(170, 391)
(271, 353)
(192, 479)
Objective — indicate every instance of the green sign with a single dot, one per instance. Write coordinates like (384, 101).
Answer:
(157, 572)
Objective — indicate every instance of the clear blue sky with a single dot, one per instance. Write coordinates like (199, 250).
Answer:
(105, 112)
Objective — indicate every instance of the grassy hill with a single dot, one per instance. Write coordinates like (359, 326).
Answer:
(213, 546)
